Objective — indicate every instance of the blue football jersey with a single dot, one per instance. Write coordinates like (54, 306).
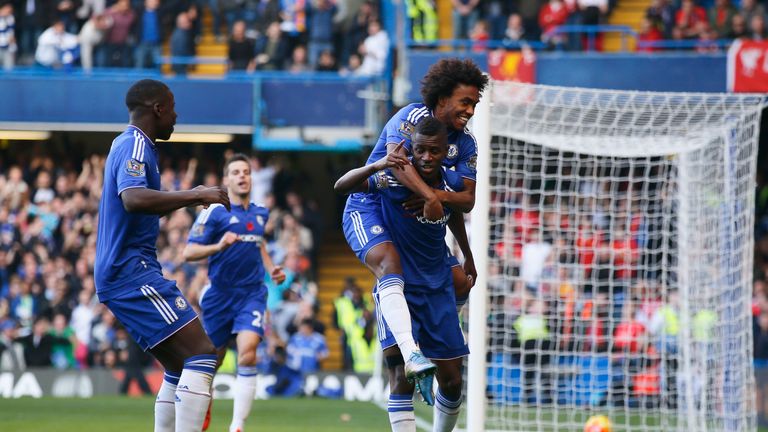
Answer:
(462, 148)
(420, 242)
(125, 244)
(240, 265)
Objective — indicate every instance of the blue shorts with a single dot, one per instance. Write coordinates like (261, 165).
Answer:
(435, 323)
(153, 312)
(231, 310)
(364, 229)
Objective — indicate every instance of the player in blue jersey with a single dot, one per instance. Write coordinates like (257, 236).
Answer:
(450, 90)
(427, 265)
(128, 276)
(235, 301)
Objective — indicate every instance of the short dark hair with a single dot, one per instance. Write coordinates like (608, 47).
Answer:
(430, 126)
(145, 93)
(234, 158)
(443, 77)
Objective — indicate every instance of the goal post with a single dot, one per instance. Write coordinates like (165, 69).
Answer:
(613, 237)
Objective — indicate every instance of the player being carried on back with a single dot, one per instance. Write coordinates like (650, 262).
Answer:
(235, 301)
(450, 90)
(427, 264)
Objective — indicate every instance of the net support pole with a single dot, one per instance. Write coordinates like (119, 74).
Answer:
(479, 234)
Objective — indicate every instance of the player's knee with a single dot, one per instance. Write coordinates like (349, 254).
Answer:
(450, 384)
(246, 358)
(206, 347)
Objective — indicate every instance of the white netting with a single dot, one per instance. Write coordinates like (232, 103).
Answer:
(620, 260)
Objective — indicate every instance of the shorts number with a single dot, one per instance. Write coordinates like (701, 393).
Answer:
(256, 319)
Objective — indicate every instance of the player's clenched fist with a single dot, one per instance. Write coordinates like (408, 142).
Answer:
(213, 195)
(277, 275)
(228, 239)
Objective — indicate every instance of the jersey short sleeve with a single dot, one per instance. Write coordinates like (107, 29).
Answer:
(130, 165)
(453, 180)
(205, 230)
(467, 163)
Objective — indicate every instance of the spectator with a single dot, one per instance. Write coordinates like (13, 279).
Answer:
(149, 36)
(306, 349)
(63, 350)
(299, 61)
(649, 33)
(465, 13)
(480, 35)
(91, 35)
(117, 51)
(326, 62)
(288, 381)
(515, 32)
(33, 17)
(375, 50)
(757, 28)
(294, 23)
(662, 14)
(320, 28)
(38, 346)
(271, 49)
(688, 18)
(750, 8)
(7, 35)
(182, 43)
(56, 48)
(721, 16)
(241, 50)
(554, 13)
(738, 28)
(352, 65)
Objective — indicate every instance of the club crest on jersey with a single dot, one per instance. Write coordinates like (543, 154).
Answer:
(180, 303)
(406, 129)
(198, 230)
(377, 229)
(453, 151)
(472, 162)
(134, 168)
(260, 220)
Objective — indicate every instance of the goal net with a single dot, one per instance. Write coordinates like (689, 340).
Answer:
(617, 279)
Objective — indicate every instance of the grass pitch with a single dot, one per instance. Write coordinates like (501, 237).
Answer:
(122, 414)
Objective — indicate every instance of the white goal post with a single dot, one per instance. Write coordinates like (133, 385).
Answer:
(613, 237)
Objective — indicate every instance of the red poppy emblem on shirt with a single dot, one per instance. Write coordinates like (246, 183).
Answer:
(249, 226)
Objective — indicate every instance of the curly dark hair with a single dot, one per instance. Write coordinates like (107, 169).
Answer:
(444, 76)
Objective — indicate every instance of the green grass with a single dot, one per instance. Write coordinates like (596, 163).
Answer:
(120, 414)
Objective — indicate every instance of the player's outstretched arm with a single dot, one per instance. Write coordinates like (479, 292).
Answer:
(144, 200)
(459, 230)
(197, 251)
(356, 180)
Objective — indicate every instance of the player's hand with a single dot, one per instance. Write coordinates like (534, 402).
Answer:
(433, 209)
(213, 195)
(471, 271)
(414, 204)
(393, 159)
(277, 275)
(228, 239)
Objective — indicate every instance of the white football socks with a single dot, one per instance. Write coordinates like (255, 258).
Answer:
(394, 309)
(165, 404)
(193, 394)
(245, 389)
(446, 413)
(401, 415)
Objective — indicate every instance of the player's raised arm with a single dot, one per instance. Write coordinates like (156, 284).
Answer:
(356, 180)
(150, 201)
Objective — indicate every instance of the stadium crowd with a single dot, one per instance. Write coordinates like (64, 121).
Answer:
(49, 314)
(343, 36)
